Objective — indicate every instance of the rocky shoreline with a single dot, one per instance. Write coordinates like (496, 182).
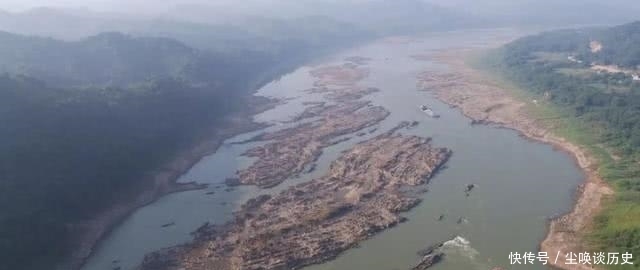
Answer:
(487, 103)
(163, 180)
(362, 193)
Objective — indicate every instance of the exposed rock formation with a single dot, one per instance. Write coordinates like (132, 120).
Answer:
(363, 193)
(294, 148)
(358, 60)
(429, 256)
(344, 94)
(429, 260)
(347, 74)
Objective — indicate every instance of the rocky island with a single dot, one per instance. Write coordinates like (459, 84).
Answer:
(362, 193)
(294, 148)
(291, 150)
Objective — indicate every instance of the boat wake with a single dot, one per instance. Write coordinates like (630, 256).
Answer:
(461, 248)
(461, 245)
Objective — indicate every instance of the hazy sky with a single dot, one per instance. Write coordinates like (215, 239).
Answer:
(130, 5)
(144, 6)
(473, 6)
(148, 6)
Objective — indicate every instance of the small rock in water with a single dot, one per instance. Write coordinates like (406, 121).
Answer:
(232, 181)
(168, 224)
(468, 189)
(210, 193)
(312, 168)
(462, 220)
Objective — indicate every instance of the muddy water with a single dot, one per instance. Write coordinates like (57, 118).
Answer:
(519, 183)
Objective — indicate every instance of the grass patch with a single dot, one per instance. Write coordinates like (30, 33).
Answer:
(576, 72)
(549, 57)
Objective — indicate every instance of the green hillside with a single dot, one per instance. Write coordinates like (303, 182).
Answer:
(598, 109)
(108, 59)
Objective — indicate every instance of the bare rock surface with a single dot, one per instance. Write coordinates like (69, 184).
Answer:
(291, 150)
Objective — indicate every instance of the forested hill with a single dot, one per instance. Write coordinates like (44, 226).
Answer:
(589, 77)
(84, 122)
(568, 67)
(113, 59)
(619, 46)
(608, 46)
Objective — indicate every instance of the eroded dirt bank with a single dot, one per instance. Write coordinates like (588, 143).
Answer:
(486, 102)
(362, 193)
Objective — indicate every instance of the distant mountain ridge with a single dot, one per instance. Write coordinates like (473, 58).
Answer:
(377, 16)
(115, 59)
(104, 59)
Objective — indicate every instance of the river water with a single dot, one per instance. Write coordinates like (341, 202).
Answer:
(520, 183)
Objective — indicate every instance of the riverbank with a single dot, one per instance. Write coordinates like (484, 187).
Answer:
(163, 181)
(487, 102)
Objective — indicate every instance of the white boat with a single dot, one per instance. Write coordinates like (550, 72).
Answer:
(429, 111)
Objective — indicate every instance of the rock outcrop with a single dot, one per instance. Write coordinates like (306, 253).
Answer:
(291, 150)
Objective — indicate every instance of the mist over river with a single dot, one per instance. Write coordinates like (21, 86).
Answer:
(519, 183)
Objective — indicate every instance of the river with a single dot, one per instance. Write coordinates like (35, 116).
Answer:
(520, 183)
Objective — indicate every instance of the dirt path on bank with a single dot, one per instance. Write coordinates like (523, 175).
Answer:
(485, 102)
